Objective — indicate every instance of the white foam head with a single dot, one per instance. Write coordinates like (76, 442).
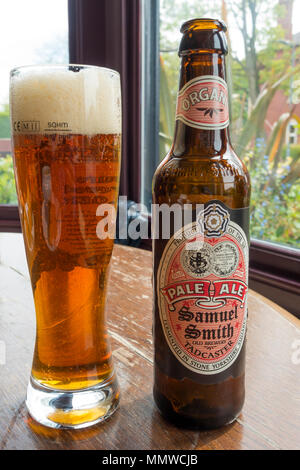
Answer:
(56, 99)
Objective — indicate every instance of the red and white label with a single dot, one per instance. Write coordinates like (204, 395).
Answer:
(203, 103)
(202, 292)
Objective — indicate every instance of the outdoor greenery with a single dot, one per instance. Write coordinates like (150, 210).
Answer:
(7, 181)
(267, 63)
(4, 123)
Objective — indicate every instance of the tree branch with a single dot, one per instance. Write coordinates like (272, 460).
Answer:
(236, 59)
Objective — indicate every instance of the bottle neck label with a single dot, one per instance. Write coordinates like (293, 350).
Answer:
(202, 103)
(202, 288)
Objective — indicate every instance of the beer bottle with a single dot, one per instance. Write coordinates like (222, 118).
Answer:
(201, 268)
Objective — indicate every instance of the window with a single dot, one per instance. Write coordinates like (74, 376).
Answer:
(31, 32)
(292, 132)
(264, 39)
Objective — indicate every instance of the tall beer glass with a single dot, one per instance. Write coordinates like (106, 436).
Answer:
(66, 129)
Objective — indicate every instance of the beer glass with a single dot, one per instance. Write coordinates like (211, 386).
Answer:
(66, 135)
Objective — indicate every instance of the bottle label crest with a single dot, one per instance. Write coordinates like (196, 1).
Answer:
(202, 291)
(202, 103)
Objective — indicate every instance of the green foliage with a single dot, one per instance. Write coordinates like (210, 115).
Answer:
(7, 182)
(4, 123)
(275, 57)
(275, 176)
(274, 209)
(167, 112)
(294, 151)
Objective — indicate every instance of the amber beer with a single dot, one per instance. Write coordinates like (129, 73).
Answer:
(201, 272)
(66, 125)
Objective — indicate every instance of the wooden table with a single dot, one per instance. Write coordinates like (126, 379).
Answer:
(270, 418)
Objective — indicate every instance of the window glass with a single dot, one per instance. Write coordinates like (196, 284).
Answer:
(264, 38)
(32, 32)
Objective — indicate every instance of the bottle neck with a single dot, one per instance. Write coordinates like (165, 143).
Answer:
(205, 104)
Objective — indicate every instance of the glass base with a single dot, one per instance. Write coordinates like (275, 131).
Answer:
(72, 409)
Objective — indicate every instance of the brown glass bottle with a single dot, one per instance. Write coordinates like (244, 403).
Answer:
(200, 306)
